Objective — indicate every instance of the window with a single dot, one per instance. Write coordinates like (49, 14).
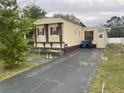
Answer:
(54, 31)
(41, 31)
(100, 36)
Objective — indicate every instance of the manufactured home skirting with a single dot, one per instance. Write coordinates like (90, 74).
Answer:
(71, 48)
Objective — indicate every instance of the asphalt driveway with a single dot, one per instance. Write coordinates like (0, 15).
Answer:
(70, 74)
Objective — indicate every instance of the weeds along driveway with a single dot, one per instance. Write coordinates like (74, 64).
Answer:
(70, 74)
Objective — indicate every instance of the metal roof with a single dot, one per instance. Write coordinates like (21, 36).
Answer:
(77, 23)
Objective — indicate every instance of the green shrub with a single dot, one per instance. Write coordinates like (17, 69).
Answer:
(13, 26)
(13, 50)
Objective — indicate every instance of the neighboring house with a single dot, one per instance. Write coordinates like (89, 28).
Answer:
(58, 33)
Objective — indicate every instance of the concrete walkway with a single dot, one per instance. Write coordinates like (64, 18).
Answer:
(70, 74)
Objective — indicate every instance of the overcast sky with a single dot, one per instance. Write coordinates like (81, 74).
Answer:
(90, 12)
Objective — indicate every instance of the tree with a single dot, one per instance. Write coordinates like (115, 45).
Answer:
(34, 12)
(12, 28)
(115, 21)
(116, 32)
(117, 26)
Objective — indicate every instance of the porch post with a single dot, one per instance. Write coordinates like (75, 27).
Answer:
(60, 34)
(47, 32)
(35, 36)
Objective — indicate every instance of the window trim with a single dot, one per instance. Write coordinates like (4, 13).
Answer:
(41, 31)
(54, 30)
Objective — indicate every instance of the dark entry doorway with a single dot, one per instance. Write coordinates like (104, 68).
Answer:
(89, 35)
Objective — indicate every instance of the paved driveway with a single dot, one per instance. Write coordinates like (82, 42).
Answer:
(70, 74)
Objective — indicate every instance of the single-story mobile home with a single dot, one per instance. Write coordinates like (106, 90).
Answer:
(60, 33)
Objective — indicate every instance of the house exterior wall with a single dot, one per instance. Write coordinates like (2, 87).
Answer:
(102, 42)
(72, 34)
(41, 37)
(69, 31)
(52, 40)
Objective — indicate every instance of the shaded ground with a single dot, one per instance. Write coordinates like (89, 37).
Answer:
(70, 74)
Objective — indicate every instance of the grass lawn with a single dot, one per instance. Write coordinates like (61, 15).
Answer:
(110, 71)
(38, 56)
(4, 74)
